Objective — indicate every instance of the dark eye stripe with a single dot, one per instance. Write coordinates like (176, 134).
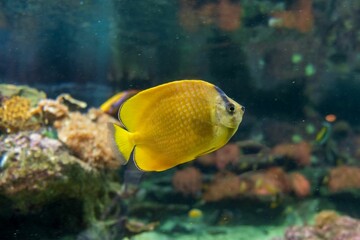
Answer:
(223, 96)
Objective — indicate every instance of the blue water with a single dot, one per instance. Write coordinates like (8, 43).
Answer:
(294, 78)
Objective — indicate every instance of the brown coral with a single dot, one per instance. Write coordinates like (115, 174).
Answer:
(15, 115)
(328, 226)
(300, 153)
(221, 158)
(225, 14)
(225, 186)
(269, 183)
(299, 17)
(326, 217)
(261, 185)
(207, 159)
(343, 178)
(229, 15)
(50, 110)
(229, 154)
(88, 137)
(300, 185)
(188, 181)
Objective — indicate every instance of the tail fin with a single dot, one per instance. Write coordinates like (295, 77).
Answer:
(121, 142)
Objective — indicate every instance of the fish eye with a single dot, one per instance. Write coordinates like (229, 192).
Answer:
(230, 108)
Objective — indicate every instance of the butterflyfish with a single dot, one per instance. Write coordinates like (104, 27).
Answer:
(111, 106)
(174, 123)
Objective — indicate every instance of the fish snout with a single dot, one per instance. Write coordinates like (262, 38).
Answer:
(237, 118)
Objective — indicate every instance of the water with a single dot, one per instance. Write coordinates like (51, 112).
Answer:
(294, 160)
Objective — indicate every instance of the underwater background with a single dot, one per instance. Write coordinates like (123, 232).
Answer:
(292, 170)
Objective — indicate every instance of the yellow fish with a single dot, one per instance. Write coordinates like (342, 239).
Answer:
(111, 106)
(174, 123)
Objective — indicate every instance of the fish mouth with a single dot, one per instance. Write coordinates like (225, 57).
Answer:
(235, 121)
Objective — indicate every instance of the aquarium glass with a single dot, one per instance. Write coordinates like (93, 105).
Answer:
(180, 119)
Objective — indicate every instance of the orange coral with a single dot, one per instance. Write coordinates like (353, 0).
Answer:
(300, 152)
(188, 181)
(187, 16)
(260, 184)
(225, 185)
(207, 159)
(88, 137)
(15, 115)
(225, 14)
(229, 154)
(226, 155)
(228, 15)
(343, 178)
(299, 185)
(270, 182)
(299, 16)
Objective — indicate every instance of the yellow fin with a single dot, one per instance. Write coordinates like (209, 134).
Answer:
(147, 160)
(121, 142)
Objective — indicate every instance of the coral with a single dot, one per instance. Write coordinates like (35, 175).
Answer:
(326, 217)
(343, 178)
(226, 155)
(208, 159)
(32, 94)
(229, 15)
(225, 14)
(188, 17)
(37, 169)
(271, 182)
(328, 226)
(262, 185)
(301, 233)
(300, 153)
(50, 110)
(72, 103)
(299, 17)
(15, 115)
(299, 184)
(225, 186)
(221, 158)
(88, 137)
(188, 181)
